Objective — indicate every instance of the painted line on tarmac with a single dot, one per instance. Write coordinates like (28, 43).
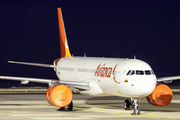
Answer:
(113, 112)
(123, 113)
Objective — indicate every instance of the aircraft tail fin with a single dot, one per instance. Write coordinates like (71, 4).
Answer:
(63, 39)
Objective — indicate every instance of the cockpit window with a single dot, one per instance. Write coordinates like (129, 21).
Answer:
(132, 72)
(147, 72)
(139, 72)
(152, 72)
(128, 72)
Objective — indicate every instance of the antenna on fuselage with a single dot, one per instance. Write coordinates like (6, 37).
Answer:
(134, 56)
(84, 54)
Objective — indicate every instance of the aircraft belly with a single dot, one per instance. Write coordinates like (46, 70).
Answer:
(106, 87)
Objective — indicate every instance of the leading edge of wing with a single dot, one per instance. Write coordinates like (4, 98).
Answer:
(48, 81)
(78, 85)
(168, 78)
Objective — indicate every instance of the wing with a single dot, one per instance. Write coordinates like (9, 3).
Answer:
(27, 80)
(78, 85)
(168, 79)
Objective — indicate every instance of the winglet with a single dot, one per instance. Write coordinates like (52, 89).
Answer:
(63, 39)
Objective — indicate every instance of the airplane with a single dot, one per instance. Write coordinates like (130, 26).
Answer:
(96, 76)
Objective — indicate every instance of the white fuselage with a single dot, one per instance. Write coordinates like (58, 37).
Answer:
(122, 77)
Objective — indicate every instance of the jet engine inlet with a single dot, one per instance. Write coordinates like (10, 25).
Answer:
(59, 95)
(161, 96)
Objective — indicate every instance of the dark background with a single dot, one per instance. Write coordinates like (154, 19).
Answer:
(29, 32)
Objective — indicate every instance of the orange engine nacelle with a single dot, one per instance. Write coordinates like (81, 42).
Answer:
(59, 95)
(161, 96)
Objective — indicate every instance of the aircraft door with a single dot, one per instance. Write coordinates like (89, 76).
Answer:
(121, 73)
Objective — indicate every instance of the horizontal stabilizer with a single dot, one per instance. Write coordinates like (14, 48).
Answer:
(33, 64)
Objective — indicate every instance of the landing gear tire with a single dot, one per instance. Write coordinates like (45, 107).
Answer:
(127, 105)
(70, 106)
(135, 107)
(61, 108)
(136, 111)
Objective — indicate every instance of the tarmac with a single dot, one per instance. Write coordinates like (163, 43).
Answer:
(33, 106)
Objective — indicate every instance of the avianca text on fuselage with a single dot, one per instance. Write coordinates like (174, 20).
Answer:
(103, 71)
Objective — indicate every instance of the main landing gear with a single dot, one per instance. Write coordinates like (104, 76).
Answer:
(69, 107)
(133, 104)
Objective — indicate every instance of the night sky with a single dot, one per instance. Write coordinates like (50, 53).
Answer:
(149, 29)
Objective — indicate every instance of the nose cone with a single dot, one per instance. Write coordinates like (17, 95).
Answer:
(147, 89)
(146, 86)
(143, 86)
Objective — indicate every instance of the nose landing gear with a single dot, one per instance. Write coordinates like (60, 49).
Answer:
(133, 104)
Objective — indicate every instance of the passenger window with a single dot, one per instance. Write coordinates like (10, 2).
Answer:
(132, 72)
(147, 72)
(139, 72)
(128, 72)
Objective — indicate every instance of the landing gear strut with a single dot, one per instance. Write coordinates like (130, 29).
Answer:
(135, 106)
(69, 107)
(134, 103)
